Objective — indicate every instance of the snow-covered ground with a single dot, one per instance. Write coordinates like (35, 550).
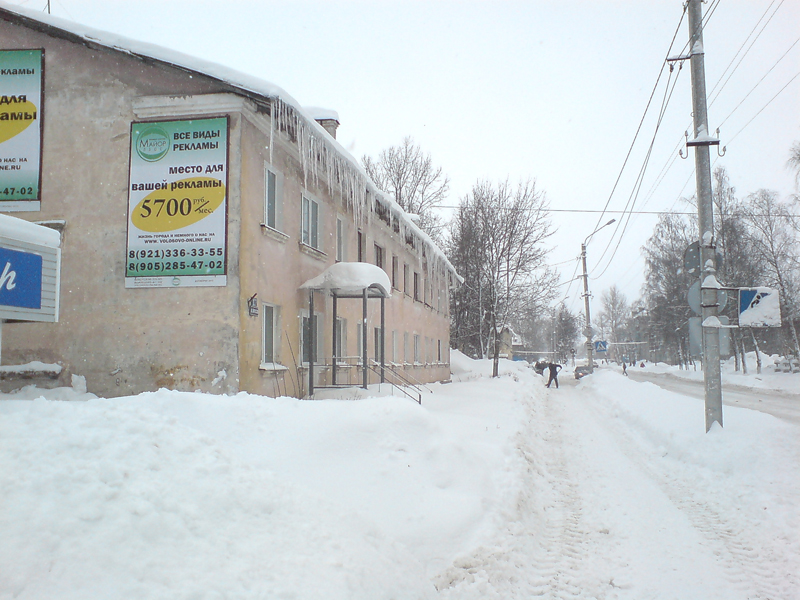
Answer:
(768, 379)
(605, 488)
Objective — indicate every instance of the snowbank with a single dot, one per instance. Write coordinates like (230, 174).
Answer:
(181, 495)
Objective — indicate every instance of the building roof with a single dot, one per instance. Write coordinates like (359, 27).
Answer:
(314, 139)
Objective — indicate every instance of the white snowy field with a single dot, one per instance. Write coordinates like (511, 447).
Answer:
(606, 488)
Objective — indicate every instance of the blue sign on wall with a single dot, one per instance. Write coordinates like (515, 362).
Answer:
(20, 279)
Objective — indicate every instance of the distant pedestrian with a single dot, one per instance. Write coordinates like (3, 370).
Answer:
(624, 369)
(554, 369)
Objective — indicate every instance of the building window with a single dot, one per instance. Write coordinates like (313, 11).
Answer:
(394, 346)
(309, 231)
(359, 340)
(395, 272)
(272, 205)
(305, 332)
(270, 334)
(417, 349)
(341, 241)
(406, 289)
(341, 337)
(360, 241)
(416, 286)
(378, 256)
(378, 343)
(438, 350)
(406, 354)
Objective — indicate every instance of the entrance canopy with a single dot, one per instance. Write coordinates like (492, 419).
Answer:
(350, 279)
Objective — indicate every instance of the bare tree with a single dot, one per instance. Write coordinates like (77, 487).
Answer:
(617, 312)
(794, 162)
(504, 230)
(666, 285)
(775, 244)
(408, 175)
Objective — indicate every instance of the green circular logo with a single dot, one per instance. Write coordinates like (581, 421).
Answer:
(152, 144)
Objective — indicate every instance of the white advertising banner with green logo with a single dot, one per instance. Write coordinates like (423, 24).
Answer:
(177, 207)
(20, 129)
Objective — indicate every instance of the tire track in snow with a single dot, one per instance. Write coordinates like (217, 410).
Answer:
(750, 567)
(545, 549)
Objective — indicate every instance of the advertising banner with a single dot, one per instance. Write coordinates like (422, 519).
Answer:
(21, 80)
(177, 204)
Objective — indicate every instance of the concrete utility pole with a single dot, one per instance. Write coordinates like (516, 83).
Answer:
(708, 290)
(588, 329)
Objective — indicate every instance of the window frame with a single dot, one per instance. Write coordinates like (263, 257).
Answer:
(311, 222)
(320, 345)
(277, 203)
(341, 239)
(275, 362)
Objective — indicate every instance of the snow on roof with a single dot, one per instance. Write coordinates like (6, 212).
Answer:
(350, 278)
(313, 136)
(25, 231)
(321, 114)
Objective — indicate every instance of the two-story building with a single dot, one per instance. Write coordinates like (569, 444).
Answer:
(195, 205)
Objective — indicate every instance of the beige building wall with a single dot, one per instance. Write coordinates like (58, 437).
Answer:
(126, 341)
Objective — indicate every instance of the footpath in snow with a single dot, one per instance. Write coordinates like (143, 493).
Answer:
(605, 488)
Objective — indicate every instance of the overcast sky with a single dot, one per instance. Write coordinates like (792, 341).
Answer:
(548, 90)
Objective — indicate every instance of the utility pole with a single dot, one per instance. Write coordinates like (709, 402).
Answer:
(712, 378)
(588, 329)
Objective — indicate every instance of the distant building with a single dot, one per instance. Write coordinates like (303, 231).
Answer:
(194, 203)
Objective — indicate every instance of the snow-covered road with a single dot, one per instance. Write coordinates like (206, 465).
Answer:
(780, 403)
(608, 513)
(494, 488)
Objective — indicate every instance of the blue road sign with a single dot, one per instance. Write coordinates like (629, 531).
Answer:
(601, 346)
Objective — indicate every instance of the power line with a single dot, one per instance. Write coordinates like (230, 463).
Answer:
(746, 51)
(765, 106)
(759, 81)
(646, 110)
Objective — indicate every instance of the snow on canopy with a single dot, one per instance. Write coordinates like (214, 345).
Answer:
(319, 154)
(350, 278)
(25, 231)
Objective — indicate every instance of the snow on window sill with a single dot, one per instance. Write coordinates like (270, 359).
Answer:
(275, 234)
(311, 251)
(272, 367)
(30, 370)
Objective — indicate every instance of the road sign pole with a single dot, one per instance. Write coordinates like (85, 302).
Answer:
(712, 376)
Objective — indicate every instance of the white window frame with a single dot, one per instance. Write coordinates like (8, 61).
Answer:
(311, 221)
(341, 337)
(277, 203)
(273, 362)
(341, 240)
(417, 349)
(406, 353)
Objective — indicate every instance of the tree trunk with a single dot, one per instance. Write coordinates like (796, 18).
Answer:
(758, 352)
(743, 350)
(735, 341)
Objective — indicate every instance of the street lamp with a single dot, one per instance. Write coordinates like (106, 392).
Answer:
(588, 331)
